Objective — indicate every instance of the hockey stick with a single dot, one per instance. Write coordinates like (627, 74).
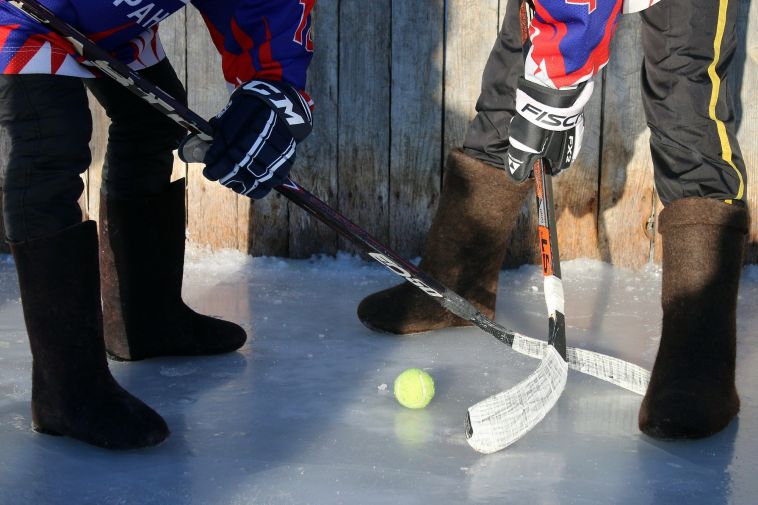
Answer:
(500, 420)
(607, 368)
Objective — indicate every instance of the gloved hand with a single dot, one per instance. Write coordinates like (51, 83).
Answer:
(549, 124)
(254, 138)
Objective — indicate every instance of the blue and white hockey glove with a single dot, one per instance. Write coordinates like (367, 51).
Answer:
(549, 124)
(254, 138)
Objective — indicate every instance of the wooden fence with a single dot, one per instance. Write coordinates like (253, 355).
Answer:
(395, 84)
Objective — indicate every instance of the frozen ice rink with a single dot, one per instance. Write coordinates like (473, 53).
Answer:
(304, 413)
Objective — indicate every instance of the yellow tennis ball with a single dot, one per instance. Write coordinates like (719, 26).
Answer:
(414, 388)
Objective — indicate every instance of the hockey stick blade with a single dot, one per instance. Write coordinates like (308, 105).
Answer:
(622, 373)
(500, 420)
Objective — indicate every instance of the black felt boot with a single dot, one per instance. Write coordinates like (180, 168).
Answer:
(464, 249)
(73, 392)
(692, 392)
(142, 263)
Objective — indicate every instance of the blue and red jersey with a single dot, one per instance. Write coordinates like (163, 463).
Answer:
(570, 39)
(263, 39)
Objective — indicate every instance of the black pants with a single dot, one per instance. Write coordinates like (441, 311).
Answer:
(685, 93)
(50, 126)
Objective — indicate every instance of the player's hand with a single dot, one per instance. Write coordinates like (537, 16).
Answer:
(549, 124)
(254, 138)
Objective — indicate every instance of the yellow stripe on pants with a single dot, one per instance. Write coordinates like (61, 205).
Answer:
(726, 148)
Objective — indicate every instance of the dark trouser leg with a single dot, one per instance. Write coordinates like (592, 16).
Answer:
(139, 159)
(49, 123)
(700, 177)
(142, 219)
(688, 105)
(73, 392)
(487, 136)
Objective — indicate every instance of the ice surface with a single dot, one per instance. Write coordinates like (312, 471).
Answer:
(302, 414)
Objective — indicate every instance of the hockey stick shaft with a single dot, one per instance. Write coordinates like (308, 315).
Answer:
(551, 267)
(598, 366)
(547, 228)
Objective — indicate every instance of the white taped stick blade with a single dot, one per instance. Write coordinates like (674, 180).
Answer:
(498, 421)
(627, 375)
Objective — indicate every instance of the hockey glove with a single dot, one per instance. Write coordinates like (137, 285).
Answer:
(254, 138)
(549, 124)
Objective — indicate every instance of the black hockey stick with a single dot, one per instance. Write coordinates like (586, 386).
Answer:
(608, 368)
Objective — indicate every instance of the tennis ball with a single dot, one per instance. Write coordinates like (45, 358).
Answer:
(414, 388)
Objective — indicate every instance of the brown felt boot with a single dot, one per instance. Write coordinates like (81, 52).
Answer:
(142, 262)
(73, 392)
(464, 249)
(692, 392)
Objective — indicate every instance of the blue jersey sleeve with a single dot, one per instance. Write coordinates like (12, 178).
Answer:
(261, 39)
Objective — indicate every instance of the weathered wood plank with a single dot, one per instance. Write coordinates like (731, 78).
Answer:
(98, 145)
(626, 179)
(576, 194)
(416, 121)
(471, 28)
(214, 213)
(316, 164)
(364, 113)
(655, 232)
(745, 84)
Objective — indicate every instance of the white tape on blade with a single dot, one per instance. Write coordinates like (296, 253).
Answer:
(614, 370)
(500, 420)
(627, 375)
(554, 295)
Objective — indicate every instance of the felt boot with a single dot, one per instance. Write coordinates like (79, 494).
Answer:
(464, 249)
(692, 392)
(142, 263)
(73, 392)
